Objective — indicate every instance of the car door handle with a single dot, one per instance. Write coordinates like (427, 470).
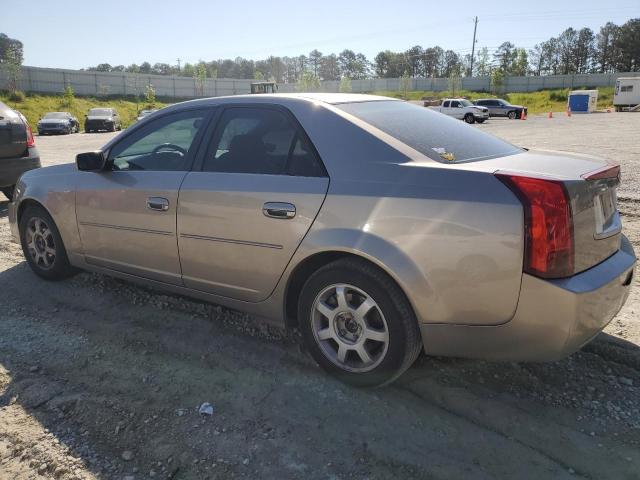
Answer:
(158, 203)
(279, 210)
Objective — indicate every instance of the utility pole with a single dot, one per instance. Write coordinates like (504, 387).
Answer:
(179, 63)
(473, 46)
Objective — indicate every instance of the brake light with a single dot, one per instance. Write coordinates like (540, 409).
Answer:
(549, 249)
(31, 142)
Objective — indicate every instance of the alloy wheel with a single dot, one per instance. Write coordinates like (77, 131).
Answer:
(350, 328)
(40, 243)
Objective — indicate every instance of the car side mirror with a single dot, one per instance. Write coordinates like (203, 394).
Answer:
(91, 161)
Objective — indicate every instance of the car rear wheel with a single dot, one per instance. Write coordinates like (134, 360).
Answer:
(358, 324)
(42, 245)
(512, 115)
(8, 191)
(469, 118)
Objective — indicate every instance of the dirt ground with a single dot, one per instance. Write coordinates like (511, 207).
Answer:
(101, 379)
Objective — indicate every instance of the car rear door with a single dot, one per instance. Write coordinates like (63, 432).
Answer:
(245, 209)
(127, 215)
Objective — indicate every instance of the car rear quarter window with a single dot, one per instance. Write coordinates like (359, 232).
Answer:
(433, 134)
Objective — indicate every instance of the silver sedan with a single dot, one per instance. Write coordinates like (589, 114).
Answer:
(376, 227)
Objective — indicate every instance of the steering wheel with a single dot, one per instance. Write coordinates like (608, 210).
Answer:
(170, 146)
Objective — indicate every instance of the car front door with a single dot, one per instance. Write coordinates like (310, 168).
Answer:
(242, 216)
(456, 109)
(127, 214)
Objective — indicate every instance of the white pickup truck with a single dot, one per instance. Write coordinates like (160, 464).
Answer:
(463, 109)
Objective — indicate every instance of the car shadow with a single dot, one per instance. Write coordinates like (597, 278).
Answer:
(4, 208)
(106, 366)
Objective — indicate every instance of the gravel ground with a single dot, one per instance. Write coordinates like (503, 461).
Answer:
(103, 379)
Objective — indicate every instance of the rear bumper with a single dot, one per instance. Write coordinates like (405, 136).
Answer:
(553, 319)
(12, 168)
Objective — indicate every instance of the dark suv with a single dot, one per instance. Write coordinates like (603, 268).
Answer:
(501, 108)
(106, 119)
(17, 149)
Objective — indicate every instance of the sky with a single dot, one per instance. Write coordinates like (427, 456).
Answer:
(78, 34)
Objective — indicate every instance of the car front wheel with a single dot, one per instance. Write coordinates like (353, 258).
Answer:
(512, 115)
(42, 245)
(469, 118)
(357, 323)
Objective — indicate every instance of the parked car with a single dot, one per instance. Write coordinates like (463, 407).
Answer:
(58, 122)
(501, 108)
(18, 151)
(106, 119)
(145, 113)
(462, 109)
(377, 227)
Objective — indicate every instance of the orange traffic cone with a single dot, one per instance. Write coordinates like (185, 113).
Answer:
(568, 111)
(550, 114)
(523, 115)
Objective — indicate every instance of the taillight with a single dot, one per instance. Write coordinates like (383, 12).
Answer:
(549, 250)
(31, 142)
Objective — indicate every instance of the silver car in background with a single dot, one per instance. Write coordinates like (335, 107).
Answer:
(376, 227)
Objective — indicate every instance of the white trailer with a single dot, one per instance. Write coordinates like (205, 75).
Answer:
(626, 95)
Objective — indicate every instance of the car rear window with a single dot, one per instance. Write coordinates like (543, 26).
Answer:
(431, 133)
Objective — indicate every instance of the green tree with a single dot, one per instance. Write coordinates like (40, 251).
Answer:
(11, 57)
(482, 64)
(308, 82)
(497, 80)
(405, 85)
(200, 77)
(150, 96)
(345, 85)
(68, 96)
(315, 59)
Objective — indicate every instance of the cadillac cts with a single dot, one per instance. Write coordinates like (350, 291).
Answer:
(376, 227)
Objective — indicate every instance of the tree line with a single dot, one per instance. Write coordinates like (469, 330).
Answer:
(613, 48)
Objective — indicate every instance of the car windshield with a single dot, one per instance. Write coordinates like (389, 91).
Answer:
(435, 135)
(56, 115)
(466, 103)
(100, 111)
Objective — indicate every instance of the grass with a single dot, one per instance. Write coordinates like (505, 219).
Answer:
(536, 102)
(34, 106)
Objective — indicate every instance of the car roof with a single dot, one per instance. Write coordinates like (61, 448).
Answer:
(328, 98)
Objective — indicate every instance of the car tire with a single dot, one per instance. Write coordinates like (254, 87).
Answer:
(362, 349)
(469, 118)
(512, 115)
(8, 191)
(42, 245)
(114, 127)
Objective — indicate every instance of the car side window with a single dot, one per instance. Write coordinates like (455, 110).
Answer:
(446, 104)
(165, 144)
(260, 141)
(455, 104)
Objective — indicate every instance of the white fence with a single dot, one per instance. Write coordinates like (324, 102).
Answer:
(53, 80)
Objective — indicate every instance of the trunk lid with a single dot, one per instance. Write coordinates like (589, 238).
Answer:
(591, 185)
